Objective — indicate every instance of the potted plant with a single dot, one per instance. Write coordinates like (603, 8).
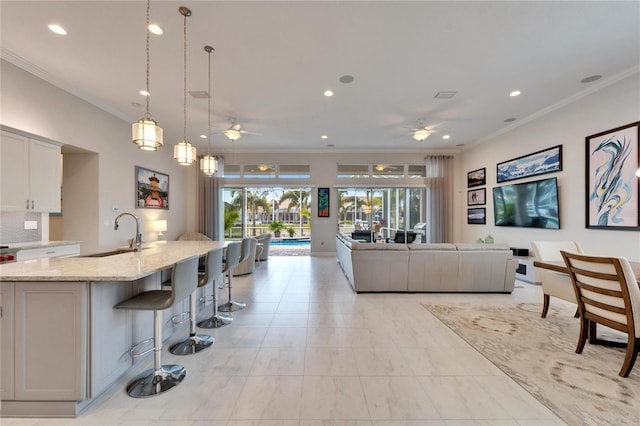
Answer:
(276, 226)
(291, 231)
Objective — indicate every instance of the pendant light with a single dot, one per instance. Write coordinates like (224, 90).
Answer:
(209, 163)
(183, 151)
(145, 132)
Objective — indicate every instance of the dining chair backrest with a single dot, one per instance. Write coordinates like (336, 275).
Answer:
(213, 267)
(607, 290)
(607, 294)
(549, 251)
(184, 278)
(232, 256)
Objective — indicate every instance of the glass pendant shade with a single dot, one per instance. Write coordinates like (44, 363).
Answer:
(184, 153)
(209, 165)
(147, 134)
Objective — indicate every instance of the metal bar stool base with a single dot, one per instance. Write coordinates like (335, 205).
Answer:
(216, 321)
(232, 306)
(192, 344)
(152, 382)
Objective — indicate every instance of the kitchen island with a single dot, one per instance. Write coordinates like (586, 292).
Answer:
(63, 344)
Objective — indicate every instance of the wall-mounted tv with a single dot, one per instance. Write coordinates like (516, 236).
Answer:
(530, 204)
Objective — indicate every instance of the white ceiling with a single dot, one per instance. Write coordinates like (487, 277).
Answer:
(274, 60)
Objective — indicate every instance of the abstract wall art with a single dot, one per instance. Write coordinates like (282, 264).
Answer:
(612, 188)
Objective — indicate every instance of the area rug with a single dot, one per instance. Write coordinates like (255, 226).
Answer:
(539, 354)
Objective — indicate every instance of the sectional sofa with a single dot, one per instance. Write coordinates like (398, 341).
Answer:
(471, 268)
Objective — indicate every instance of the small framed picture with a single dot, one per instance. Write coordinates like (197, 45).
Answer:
(477, 216)
(323, 202)
(152, 189)
(477, 178)
(476, 197)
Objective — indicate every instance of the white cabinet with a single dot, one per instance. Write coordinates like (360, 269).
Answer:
(30, 172)
(526, 271)
(51, 251)
(6, 341)
(51, 343)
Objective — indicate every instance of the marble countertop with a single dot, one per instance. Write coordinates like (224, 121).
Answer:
(120, 267)
(39, 244)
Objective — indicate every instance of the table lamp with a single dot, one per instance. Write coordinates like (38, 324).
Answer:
(161, 226)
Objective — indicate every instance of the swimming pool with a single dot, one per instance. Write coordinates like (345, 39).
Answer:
(291, 242)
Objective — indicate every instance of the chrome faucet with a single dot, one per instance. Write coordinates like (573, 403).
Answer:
(136, 243)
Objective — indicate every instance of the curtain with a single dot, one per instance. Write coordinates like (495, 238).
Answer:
(439, 183)
(208, 205)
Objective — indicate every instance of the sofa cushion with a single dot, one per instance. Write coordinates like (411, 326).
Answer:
(475, 247)
(437, 246)
(377, 246)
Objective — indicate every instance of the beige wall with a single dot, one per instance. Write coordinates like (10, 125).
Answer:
(35, 106)
(611, 107)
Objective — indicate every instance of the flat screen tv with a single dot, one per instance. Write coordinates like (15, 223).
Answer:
(530, 204)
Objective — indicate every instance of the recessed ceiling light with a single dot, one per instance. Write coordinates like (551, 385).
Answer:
(328, 93)
(446, 136)
(514, 93)
(460, 144)
(136, 104)
(203, 136)
(591, 78)
(57, 29)
(144, 93)
(509, 120)
(330, 145)
(155, 29)
(346, 79)
(324, 137)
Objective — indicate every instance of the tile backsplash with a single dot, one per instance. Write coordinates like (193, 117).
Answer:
(12, 227)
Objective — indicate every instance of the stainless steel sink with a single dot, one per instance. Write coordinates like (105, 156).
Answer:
(109, 253)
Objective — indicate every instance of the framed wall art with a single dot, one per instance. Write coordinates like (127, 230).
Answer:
(477, 197)
(477, 178)
(152, 189)
(612, 187)
(477, 216)
(538, 163)
(323, 202)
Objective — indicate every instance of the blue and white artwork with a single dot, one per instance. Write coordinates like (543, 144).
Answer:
(613, 187)
(538, 163)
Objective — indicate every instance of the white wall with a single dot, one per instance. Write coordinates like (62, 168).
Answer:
(611, 107)
(32, 105)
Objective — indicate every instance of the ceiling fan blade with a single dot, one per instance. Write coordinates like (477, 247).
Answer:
(246, 132)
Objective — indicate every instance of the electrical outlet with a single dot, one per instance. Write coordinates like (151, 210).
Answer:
(30, 224)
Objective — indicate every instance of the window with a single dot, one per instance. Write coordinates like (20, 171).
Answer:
(384, 171)
(382, 210)
(267, 171)
(353, 170)
(294, 171)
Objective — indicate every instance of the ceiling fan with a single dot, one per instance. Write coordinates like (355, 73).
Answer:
(422, 132)
(235, 132)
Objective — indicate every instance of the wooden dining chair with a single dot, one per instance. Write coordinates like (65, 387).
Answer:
(607, 293)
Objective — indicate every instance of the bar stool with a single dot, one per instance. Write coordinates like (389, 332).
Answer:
(233, 258)
(195, 342)
(213, 269)
(161, 378)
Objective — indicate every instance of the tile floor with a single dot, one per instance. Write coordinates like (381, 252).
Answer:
(307, 351)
